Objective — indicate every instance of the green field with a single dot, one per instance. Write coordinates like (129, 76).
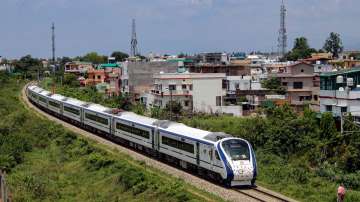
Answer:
(45, 162)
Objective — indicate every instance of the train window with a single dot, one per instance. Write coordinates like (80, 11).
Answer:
(133, 130)
(237, 149)
(96, 118)
(42, 99)
(71, 110)
(210, 154)
(54, 104)
(217, 155)
(177, 144)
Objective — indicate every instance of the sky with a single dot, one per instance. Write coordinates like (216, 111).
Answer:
(170, 26)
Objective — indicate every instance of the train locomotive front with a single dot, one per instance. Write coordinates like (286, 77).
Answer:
(239, 160)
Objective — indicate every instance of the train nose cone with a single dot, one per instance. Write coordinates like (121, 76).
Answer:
(242, 170)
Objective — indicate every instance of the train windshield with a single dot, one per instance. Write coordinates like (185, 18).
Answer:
(236, 149)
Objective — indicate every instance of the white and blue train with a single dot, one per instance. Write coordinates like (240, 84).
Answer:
(219, 156)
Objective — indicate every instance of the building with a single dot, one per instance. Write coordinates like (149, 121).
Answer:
(301, 83)
(198, 92)
(340, 92)
(78, 67)
(107, 78)
(137, 78)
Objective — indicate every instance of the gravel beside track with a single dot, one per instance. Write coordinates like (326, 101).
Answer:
(226, 194)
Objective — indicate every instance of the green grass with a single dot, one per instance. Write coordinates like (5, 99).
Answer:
(46, 162)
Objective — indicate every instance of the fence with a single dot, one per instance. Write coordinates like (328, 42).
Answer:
(4, 197)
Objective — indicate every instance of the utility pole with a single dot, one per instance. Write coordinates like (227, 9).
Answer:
(282, 40)
(134, 49)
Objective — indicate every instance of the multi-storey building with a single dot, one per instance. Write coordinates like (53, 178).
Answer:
(301, 83)
(198, 92)
(340, 92)
(78, 67)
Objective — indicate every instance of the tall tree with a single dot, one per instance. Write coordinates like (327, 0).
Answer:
(301, 50)
(94, 57)
(333, 44)
(119, 56)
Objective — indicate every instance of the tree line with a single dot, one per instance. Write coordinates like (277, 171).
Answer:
(302, 50)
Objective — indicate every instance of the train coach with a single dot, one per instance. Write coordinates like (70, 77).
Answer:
(218, 156)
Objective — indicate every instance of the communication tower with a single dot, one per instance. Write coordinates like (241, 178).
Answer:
(134, 49)
(282, 40)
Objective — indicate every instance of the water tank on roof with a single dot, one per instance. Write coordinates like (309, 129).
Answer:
(339, 79)
(349, 81)
(341, 89)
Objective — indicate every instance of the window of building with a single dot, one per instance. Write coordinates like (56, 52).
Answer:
(328, 108)
(183, 86)
(191, 87)
(218, 100)
(316, 97)
(94, 77)
(172, 87)
(302, 70)
(284, 83)
(298, 85)
(133, 130)
(186, 103)
(98, 76)
(96, 118)
(237, 86)
(177, 144)
(343, 109)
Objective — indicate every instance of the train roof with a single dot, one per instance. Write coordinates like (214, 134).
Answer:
(75, 102)
(45, 93)
(98, 108)
(58, 97)
(194, 133)
(35, 89)
(184, 130)
(131, 116)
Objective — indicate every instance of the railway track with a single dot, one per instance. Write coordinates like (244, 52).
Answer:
(263, 195)
(243, 195)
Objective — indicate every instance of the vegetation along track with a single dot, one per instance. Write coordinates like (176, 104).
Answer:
(243, 195)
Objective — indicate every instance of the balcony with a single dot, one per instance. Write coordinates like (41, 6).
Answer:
(327, 93)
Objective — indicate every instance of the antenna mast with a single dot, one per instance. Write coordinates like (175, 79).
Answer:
(53, 42)
(134, 49)
(282, 40)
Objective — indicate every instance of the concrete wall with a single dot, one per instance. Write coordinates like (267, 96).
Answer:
(204, 94)
(141, 74)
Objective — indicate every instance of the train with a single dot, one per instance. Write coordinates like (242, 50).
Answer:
(216, 155)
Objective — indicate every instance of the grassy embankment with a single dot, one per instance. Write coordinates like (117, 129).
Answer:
(46, 162)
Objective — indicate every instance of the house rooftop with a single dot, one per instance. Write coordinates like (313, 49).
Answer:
(341, 72)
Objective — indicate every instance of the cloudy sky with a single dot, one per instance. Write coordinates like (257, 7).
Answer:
(169, 26)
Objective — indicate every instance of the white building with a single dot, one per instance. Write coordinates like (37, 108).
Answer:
(340, 92)
(199, 92)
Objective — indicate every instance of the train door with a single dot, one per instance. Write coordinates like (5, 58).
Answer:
(153, 138)
(112, 126)
(217, 161)
(157, 139)
(197, 153)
